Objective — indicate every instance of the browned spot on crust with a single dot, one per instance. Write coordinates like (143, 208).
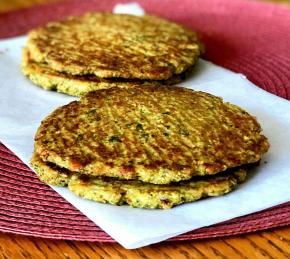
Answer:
(210, 169)
(76, 165)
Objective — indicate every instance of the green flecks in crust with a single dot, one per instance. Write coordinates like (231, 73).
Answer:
(142, 134)
(139, 127)
(166, 113)
(53, 87)
(93, 115)
(184, 132)
(145, 136)
(80, 137)
(45, 141)
(128, 125)
(115, 139)
(35, 167)
(91, 112)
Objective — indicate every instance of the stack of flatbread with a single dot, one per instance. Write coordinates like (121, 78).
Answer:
(149, 147)
(103, 50)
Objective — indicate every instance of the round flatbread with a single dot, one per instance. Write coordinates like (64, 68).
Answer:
(115, 45)
(153, 134)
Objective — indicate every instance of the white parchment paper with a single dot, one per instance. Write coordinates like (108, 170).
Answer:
(23, 106)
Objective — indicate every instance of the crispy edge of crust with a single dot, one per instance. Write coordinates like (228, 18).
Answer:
(150, 196)
(48, 79)
(136, 193)
(48, 173)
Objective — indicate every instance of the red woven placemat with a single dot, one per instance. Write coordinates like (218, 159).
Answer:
(247, 37)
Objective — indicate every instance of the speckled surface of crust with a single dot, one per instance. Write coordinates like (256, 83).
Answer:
(42, 75)
(115, 45)
(137, 193)
(154, 134)
(152, 196)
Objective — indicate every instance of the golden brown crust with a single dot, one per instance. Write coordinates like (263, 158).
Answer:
(41, 74)
(115, 45)
(154, 134)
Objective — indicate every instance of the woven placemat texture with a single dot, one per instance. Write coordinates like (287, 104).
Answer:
(245, 36)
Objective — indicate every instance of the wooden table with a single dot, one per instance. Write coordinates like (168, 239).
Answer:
(265, 244)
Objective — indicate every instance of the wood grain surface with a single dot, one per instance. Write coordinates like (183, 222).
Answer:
(266, 244)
